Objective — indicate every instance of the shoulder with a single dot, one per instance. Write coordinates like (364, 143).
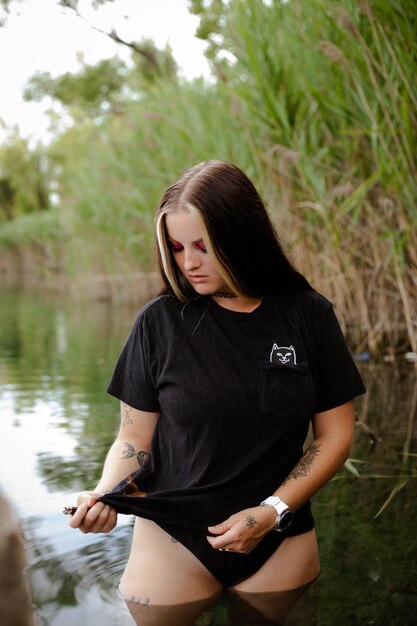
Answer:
(163, 304)
(313, 301)
(308, 302)
(157, 312)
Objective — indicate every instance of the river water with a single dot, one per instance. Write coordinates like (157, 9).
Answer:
(57, 422)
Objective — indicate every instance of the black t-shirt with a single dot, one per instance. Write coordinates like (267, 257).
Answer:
(236, 393)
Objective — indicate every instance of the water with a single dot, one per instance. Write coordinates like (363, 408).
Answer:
(57, 423)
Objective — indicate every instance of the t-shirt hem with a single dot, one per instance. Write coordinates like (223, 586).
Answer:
(335, 402)
(140, 406)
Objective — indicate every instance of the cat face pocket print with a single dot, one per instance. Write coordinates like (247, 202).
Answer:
(285, 386)
(283, 355)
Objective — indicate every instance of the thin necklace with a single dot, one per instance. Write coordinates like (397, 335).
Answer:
(201, 318)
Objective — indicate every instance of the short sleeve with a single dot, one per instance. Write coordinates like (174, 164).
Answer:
(131, 381)
(338, 379)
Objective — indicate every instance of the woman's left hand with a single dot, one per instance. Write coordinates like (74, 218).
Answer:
(242, 531)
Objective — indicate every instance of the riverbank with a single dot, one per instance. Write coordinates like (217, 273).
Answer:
(30, 269)
(376, 309)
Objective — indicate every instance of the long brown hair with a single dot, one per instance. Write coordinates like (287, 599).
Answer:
(236, 230)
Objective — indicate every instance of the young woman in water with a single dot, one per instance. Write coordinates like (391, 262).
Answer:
(220, 379)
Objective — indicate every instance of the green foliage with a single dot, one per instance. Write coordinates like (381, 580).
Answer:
(314, 100)
(46, 231)
(212, 14)
(23, 180)
(5, 7)
(95, 88)
(151, 63)
(104, 88)
(120, 168)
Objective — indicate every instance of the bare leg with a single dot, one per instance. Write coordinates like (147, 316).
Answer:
(164, 583)
(269, 595)
(170, 615)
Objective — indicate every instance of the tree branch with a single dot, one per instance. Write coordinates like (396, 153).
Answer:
(140, 50)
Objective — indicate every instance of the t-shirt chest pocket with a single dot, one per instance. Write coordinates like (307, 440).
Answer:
(285, 389)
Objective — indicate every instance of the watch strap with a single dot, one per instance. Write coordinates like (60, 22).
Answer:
(284, 514)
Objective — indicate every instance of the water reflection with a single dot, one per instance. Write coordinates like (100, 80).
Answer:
(57, 423)
(367, 525)
(74, 582)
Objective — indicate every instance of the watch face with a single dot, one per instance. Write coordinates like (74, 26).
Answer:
(284, 520)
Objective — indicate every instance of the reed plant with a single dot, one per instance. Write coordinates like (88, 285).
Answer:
(112, 188)
(318, 108)
(330, 91)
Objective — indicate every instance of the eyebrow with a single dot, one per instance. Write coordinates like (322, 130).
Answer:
(193, 242)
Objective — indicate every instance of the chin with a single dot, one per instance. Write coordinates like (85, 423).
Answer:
(204, 290)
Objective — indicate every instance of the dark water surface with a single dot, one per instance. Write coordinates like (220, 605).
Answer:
(57, 422)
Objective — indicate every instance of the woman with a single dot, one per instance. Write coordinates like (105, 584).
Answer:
(219, 381)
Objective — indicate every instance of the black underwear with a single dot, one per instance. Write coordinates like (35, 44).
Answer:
(228, 568)
(184, 525)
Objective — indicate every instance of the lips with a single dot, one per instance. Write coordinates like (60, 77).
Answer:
(197, 278)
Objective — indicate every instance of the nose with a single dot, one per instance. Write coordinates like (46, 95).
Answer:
(192, 259)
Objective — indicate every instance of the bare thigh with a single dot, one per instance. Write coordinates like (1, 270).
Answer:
(163, 579)
(273, 590)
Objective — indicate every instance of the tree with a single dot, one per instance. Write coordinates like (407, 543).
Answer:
(23, 184)
(213, 30)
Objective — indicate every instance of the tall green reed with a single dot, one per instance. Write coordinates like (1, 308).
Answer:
(331, 96)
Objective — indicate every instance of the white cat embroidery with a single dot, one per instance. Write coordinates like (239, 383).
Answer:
(283, 354)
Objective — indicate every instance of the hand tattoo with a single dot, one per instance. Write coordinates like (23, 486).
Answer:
(304, 464)
(251, 521)
(130, 452)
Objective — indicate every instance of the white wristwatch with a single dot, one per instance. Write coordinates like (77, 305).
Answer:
(284, 514)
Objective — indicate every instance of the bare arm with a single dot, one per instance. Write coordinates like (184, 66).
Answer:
(126, 455)
(333, 432)
(130, 448)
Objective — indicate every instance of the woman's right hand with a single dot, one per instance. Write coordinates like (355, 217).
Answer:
(92, 516)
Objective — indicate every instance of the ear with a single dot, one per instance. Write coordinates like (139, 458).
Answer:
(291, 348)
(271, 356)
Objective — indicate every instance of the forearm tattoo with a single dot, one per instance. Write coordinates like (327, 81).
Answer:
(304, 464)
(126, 416)
(130, 452)
(251, 521)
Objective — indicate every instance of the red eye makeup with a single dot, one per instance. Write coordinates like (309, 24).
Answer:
(177, 247)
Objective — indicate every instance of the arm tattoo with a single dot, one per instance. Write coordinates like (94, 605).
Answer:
(130, 452)
(304, 464)
(251, 521)
(126, 417)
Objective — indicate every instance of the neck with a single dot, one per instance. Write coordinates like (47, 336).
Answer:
(236, 303)
(224, 294)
